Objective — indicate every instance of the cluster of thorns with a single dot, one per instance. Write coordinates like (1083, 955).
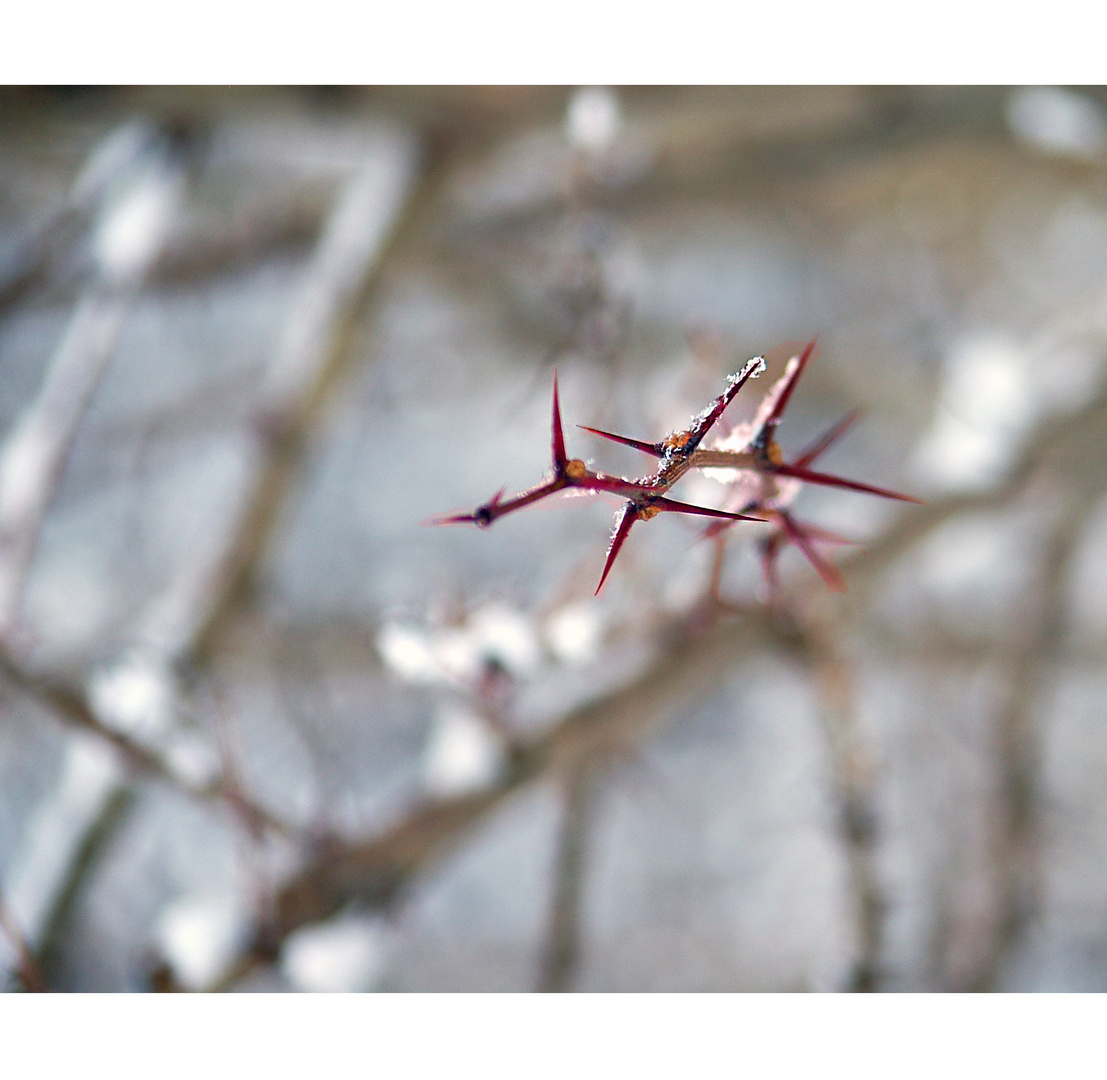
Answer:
(762, 484)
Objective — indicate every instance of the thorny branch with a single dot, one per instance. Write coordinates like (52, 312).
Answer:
(764, 483)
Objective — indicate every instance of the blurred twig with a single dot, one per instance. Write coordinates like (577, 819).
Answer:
(69, 706)
(131, 230)
(30, 974)
(1028, 669)
(854, 766)
(193, 611)
(200, 254)
(37, 451)
(53, 235)
(561, 949)
(136, 180)
(97, 836)
(1054, 447)
(242, 808)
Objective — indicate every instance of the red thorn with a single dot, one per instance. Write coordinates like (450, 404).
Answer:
(699, 429)
(768, 563)
(448, 519)
(782, 401)
(495, 508)
(716, 528)
(830, 573)
(828, 537)
(627, 518)
(827, 480)
(647, 448)
(557, 438)
(824, 441)
(665, 503)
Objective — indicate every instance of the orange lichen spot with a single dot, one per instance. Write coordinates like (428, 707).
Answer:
(648, 512)
(575, 468)
(773, 452)
(676, 440)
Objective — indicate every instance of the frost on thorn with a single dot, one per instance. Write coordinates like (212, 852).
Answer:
(753, 369)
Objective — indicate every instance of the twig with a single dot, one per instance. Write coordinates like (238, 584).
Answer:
(188, 618)
(139, 178)
(561, 950)
(30, 974)
(98, 833)
(854, 767)
(248, 238)
(132, 230)
(1058, 442)
(44, 240)
(242, 808)
(347, 249)
(69, 706)
(209, 585)
(1029, 667)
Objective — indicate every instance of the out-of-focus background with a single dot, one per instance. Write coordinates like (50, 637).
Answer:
(261, 730)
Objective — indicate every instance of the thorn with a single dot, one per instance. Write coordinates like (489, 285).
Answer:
(488, 512)
(828, 537)
(782, 401)
(665, 503)
(448, 519)
(557, 438)
(627, 518)
(702, 426)
(827, 480)
(830, 573)
(482, 516)
(654, 449)
(824, 441)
